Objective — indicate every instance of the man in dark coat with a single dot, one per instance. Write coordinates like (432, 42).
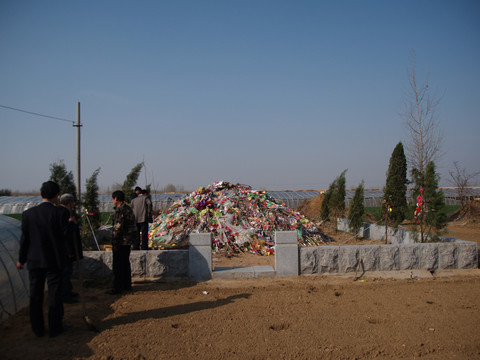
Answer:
(42, 247)
(124, 233)
(73, 245)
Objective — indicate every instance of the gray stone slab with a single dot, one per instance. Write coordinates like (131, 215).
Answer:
(308, 260)
(263, 271)
(286, 253)
(370, 254)
(348, 258)
(447, 256)
(285, 237)
(156, 263)
(409, 257)
(234, 272)
(96, 264)
(138, 263)
(328, 259)
(200, 256)
(243, 272)
(428, 255)
(389, 258)
(178, 263)
(467, 255)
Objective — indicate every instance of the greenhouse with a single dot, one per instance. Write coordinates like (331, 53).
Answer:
(292, 199)
(13, 282)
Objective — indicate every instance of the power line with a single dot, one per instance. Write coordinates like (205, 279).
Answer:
(37, 114)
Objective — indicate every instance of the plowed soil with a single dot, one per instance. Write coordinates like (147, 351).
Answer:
(306, 317)
(391, 315)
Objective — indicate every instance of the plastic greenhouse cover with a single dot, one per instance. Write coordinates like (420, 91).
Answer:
(18, 204)
(13, 283)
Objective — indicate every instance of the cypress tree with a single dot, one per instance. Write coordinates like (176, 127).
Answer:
(59, 174)
(333, 205)
(435, 213)
(336, 202)
(90, 199)
(324, 210)
(430, 213)
(356, 212)
(395, 190)
(131, 180)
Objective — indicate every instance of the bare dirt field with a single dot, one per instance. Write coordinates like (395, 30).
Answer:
(307, 317)
(385, 315)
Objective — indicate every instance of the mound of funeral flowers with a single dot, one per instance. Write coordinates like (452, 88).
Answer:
(238, 217)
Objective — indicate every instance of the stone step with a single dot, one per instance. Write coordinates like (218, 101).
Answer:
(243, 272)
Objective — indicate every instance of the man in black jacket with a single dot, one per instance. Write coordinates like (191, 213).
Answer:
(42, 247)
(73, 245)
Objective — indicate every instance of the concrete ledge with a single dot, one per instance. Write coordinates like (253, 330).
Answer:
(243, 272)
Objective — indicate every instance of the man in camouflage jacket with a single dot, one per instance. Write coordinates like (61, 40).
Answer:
(124, 232)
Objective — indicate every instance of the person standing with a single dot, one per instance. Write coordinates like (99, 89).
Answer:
(42, 248)
(141, 206)
(124, 232)
(149, 204)
(73, 245)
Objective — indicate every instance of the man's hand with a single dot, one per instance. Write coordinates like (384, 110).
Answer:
(19, 266)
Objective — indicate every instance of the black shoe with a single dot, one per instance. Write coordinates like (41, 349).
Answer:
(113, 292)
(39, 333)
(73, 294)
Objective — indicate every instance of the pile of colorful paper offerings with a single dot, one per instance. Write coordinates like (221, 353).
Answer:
(238, 217)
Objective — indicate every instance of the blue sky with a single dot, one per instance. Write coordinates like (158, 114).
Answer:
(272, 94)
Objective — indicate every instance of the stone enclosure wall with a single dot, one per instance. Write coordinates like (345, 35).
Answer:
(344, 259)
(290, 260)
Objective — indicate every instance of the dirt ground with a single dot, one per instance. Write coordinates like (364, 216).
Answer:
(384, 315)
(307, 317)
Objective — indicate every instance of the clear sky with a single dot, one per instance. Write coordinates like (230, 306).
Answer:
(269, 93)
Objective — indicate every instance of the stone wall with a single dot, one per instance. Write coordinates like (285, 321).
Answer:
(343, 259)
(196, 262)
(395, 236)
(152, 264)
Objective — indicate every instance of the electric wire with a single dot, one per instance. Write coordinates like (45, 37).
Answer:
(37, 114)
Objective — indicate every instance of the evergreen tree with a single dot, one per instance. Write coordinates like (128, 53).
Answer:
(59, 174)
(131, 180)
(324, 209)
(356, 212)
(435, 214)
(395, 191)
(336, 203)
(91, 203)
(430, 212)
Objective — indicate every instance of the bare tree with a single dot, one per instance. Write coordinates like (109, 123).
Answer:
(419, 112)
(461, 179)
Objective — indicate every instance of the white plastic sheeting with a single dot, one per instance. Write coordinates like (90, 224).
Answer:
(18, 204)
(13, 283)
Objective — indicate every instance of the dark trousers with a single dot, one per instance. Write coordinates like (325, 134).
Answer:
(67, 287)
(142, 229)
(122, 273)
(55, 305)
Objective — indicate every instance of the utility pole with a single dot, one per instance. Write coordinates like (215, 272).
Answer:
(78, 125)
